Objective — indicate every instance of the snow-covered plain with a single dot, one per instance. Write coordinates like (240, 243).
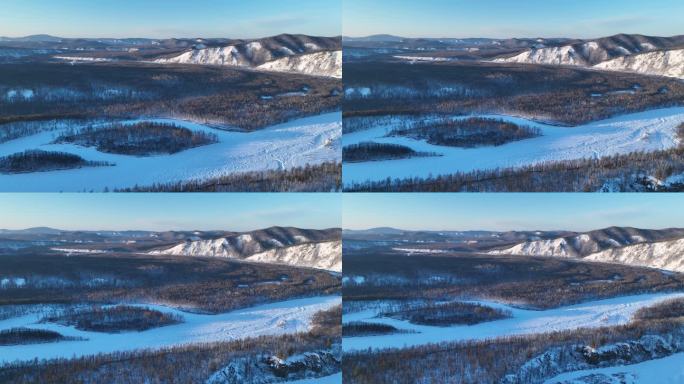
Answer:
(299, 142)
(278, 318)
(608, 312)
(642, 131)
(668, 370)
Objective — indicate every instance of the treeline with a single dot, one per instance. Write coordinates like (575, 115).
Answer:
(633, 172)
(213, 285)
(140, 139)
(113, 319)
(467, 133)
(182, 364)
(22, 336)
(445, 314)
(324, 177)
(361, 328)
(559, 94)
(14, 128)
(206, 94)
(40, 161)
(371, 151)
(529, 359)
(508, 279)
(670, 309)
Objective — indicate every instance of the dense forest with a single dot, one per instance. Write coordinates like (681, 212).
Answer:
(266, 359)
(22, 336)
(40, 161)
(139, 139)
(468, 133)
(370, 151)
(325, 177)
(529, 359)
(633, 172)
(565, 95)
(445, 314)
(207, 284)
(361, 328)
(221, 96)
(112, 319)
(404, 280)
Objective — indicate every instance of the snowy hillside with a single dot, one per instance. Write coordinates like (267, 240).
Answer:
(649, 248)
(292, 246)
(594, 51)
(664, 255)
(328, 63)
(325, 255)
(564, 55)
(286, 53)
(661, 56)
(555, 247)
(660, 63)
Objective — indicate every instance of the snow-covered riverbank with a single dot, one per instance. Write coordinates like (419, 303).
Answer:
(278, 318)
(310, 140)
(643, 131)
(608, 312)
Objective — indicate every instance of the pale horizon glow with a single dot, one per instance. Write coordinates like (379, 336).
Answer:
(165, 212)
(511, 211)
(500, 19)
(159, 19)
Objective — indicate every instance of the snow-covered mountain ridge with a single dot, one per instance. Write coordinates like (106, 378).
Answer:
(649, 248)
(661, 56)
(292, 246)
(320, 56)
(660, 63)
(667, 255)
(326, 63)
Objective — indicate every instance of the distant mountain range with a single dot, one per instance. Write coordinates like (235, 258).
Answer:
(293, 246)
(650, 55)
(662, 56)
(312, 55)
(310, 248)
(662, 249)
(319, 56)
(656, 248)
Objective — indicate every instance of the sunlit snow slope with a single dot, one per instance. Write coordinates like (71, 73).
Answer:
(291, 246)
(660, 63)
(319, 64)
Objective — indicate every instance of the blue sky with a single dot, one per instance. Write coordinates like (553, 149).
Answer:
(187, 211)
(170, 18)
(512, 211)
(512, 18)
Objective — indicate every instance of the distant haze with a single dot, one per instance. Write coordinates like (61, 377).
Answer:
(508, 19)
(169, 18)
(162, 212)
(512, 211)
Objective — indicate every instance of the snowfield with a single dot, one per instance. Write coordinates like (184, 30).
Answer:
(564, 55)
(666, 255)
(663, 255)
(310, 140)
(660, 63)
(608, 312)
(643, 131)
(325, 255)
(668, 370)
(278, 318)
(327, 63)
